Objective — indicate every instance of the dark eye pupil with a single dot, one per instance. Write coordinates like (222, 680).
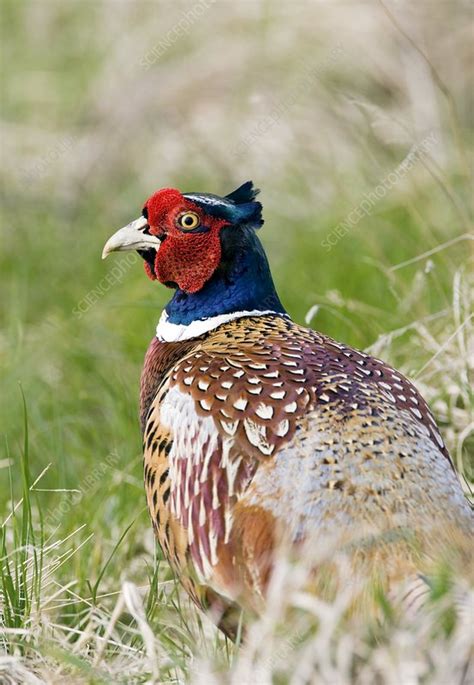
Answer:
(189, 221)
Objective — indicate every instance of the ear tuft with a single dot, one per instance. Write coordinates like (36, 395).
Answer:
(239, 207)
(246, 211)
(243, 194)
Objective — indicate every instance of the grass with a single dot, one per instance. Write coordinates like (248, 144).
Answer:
(84, 593)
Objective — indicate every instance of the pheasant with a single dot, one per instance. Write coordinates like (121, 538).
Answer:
(258, 430)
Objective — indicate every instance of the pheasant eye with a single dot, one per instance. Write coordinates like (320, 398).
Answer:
(188, 220)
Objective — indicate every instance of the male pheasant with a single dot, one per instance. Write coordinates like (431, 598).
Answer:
(257, 430)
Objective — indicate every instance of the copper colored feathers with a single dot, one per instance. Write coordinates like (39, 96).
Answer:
(262, 425)
(259, 433)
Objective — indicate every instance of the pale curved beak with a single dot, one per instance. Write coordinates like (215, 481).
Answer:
(131, 237)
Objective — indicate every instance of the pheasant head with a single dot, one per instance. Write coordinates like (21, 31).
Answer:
(204, 246)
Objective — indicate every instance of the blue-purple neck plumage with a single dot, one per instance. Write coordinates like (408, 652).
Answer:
(257, 430)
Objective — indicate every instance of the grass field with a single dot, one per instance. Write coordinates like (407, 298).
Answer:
(354, 119)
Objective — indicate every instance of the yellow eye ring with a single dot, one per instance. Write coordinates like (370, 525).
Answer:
(188, 220)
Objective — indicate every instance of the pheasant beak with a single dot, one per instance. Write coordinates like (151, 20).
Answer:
(131, 237)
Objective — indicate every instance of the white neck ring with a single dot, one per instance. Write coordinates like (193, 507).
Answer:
(172, 332)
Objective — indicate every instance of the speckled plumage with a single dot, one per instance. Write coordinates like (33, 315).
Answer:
(259, 433)
(262, 424)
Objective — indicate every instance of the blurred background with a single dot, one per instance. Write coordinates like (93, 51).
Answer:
(352, 117)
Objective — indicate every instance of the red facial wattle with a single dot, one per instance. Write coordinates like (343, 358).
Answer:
(185, 258)
(188, 260)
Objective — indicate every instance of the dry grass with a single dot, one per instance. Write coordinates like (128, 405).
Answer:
(319, 103)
